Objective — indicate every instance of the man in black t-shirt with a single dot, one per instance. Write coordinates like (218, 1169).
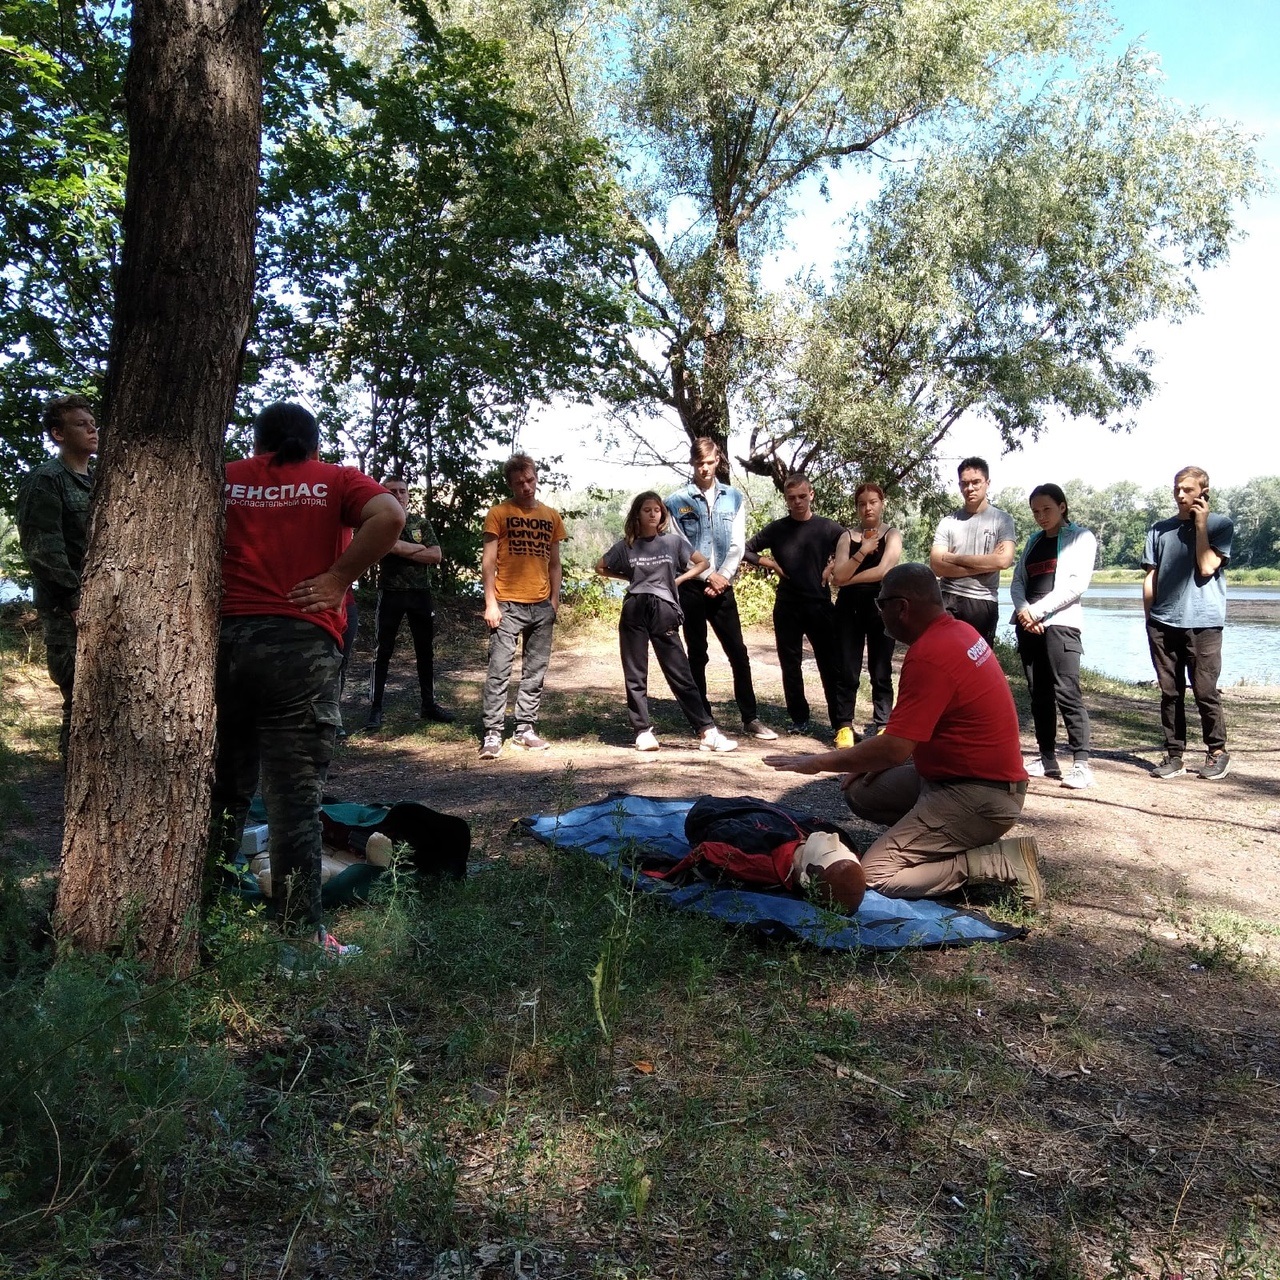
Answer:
(404, 590)
(801, 544)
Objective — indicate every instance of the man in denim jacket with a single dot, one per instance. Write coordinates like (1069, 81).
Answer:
(713, 517)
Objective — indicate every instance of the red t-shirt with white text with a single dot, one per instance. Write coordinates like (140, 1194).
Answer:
(285, 524)
(954, 703)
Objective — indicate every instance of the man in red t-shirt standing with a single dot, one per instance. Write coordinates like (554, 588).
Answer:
(288, 560)
(946, 774)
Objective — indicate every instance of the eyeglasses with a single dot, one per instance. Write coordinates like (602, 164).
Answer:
(881, 601)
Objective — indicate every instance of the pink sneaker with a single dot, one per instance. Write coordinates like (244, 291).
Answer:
(332, 948)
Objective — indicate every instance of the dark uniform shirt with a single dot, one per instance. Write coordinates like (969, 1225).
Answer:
(53, 528)
(395, 573)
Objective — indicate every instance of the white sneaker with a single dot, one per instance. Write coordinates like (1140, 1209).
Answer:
(714, 740)
(1040, 767)
(647, 741)
(1079, 776)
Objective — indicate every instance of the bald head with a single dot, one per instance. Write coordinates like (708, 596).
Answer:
(915, 582)
(909, 601)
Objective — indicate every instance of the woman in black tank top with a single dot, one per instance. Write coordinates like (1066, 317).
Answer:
(863, 556)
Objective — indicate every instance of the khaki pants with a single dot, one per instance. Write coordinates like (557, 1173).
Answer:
(931, 827)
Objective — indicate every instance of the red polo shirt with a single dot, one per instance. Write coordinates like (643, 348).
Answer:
(954, 703)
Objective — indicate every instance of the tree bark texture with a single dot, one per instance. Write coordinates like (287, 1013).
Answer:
(143, 716)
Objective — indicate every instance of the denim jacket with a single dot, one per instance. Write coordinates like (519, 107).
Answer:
(715, 525)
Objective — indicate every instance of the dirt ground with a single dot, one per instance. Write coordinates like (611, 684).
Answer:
(1124, 860)
(1115, 853)
(1143, 1004)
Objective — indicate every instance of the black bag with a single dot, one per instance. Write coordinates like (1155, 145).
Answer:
(754, 826)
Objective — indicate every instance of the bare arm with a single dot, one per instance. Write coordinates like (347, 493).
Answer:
(697, 564)
(871, 755)
(381, 520)
(489, 577)
(1148, 591)
(557, 576)
(852, 573)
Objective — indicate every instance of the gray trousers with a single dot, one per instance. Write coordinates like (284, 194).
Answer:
(531, 625)
(931, 827)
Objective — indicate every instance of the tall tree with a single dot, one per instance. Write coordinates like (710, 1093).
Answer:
(726, 111)
(143, 723)
(1007, 276)
(62, 173)
(435, 265)
(722, 109)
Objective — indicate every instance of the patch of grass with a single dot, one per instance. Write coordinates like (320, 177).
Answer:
(1222, 940)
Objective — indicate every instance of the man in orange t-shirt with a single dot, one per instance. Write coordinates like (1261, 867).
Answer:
(520, 567)
(946, 773)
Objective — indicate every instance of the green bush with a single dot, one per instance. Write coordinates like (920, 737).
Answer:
(590, 599)
(755, 592)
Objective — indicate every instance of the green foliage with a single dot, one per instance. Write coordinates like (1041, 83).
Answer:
(1006, 273)
(107, 1089)
(13, 565)
(755, 592)
(432, 266)
(62, 170)
(725, 108)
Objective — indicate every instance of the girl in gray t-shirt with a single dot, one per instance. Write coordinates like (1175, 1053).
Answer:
(654, 561)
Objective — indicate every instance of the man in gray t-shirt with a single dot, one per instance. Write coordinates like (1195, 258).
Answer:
(970, 548)
(1185, 597)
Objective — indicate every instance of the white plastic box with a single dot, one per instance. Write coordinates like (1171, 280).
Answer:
(254, 840)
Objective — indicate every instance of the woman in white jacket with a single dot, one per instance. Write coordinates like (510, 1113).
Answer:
(1051, 575)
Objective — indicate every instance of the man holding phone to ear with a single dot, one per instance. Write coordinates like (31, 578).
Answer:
(1185, 598)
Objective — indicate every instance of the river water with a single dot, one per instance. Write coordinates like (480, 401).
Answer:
(1115, 639)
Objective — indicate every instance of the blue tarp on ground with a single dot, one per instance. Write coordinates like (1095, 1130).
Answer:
(643, 825)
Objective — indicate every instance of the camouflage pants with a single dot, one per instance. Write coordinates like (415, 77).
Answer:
(277, 696)
(60, 656)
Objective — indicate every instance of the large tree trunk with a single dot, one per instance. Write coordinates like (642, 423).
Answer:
(703, 410)
(143, 721)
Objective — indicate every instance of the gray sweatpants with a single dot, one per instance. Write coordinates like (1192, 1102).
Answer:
(533, 624)
(933, 825)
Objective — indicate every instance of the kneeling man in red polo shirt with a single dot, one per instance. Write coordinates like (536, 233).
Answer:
(946, 774)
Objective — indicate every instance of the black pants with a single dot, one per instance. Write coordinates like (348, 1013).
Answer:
(982, 615)
(393, 606)
(721, 613)
(348, 645)
(649, 620)
(1051, 662)
(794, 618)
(859, 630)
(1181, 655)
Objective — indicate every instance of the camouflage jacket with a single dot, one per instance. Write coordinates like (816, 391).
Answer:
(395, 573)
(53, 528)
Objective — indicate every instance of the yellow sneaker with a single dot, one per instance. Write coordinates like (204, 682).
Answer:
(844, 738)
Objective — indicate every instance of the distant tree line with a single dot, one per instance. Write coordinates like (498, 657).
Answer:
(1120, 515)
